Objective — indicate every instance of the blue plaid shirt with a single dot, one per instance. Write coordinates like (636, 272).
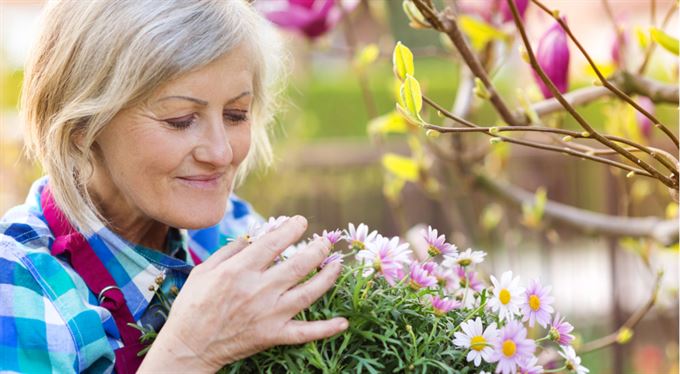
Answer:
(49, 319)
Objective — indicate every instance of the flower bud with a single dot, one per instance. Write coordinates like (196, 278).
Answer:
(644, 123)
(553, 57)
(506, 12)
(619, 48)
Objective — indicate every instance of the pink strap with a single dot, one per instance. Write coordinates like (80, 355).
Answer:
(85, 262)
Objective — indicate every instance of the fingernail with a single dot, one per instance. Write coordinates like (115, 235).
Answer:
(343, 324)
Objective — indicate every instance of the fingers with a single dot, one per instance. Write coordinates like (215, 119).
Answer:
(291, 271)
(263, 252)
(302, 296)
(298, 332)
(225, 252)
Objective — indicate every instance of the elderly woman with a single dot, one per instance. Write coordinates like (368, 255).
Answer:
(144, 114)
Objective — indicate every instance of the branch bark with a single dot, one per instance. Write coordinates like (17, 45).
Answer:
(663, 231)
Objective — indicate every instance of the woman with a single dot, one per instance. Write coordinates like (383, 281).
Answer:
(143, 115)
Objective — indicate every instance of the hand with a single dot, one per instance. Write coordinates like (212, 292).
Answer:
(235, 304)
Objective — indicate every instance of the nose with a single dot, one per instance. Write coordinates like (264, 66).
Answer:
(214, 146)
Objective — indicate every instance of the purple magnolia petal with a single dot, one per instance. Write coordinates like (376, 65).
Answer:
(553, 57)
(644, 123)
(313, 18)
(618, 48)
(507, 13)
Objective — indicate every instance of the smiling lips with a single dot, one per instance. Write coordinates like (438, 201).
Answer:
(203, 181)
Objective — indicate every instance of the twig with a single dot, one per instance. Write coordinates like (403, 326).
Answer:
(443, 23)
(630, 324)
(545, 147)
(534, 63)
(661, 157)
(652, 46)
(662, 231)
(606, 82)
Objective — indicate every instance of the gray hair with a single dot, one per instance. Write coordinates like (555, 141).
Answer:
(94, 58)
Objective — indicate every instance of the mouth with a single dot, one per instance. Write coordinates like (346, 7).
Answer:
(202, 181)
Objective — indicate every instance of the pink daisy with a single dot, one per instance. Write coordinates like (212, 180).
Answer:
(421, 276)
(359, 236)
(442, 306)
(536, 306)
(559, 331)
(512, 348)
(386, 256)
(437, 245)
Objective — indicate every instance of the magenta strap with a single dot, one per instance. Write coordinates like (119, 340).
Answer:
(85, 262)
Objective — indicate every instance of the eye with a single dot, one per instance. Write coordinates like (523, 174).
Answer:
(181, 123)
(235, 116)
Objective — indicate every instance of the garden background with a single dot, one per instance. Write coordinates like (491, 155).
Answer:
(330, 167)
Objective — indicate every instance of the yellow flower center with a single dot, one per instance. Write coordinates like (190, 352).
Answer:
(477, 343)
(433, 251)
(509, 348)
(377, 265)
(358, 245)
(464, 262)
(504, 296)
(534, 302)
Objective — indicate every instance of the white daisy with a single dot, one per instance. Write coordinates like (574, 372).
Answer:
(573, 362)
(507, 296)
(476, 339)
(466, 258)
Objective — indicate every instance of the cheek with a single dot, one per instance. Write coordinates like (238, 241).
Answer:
(240, 142)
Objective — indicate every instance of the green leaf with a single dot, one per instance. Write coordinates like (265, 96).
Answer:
(668, 42)
(641, 37)
(411, 96)
(402, 167)
(390, 123)
(366, 56)
(402, 61)
(414, 15)
(479, 32)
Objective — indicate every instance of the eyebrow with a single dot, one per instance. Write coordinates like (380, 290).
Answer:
(202, 102)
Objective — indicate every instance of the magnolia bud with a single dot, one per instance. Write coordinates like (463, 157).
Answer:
(507, 12)
(644, 123)
(553, 57)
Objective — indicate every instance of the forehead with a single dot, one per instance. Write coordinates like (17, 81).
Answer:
(229, 74)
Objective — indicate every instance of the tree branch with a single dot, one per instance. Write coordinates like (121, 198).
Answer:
(443, 22)
(664, 232)
(604, 80)
(670, 182)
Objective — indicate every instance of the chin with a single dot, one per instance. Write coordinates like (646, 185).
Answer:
(198, 216)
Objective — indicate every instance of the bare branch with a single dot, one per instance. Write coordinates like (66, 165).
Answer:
(664, 232)
(604, 80)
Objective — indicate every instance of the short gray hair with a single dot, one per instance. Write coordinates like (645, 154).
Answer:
(94, 58)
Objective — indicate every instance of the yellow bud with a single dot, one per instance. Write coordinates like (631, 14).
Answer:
(432, 133)
(495, 140)
(440, 114)
(493, 130)
(597, 82)
(585, 134)
(567, 138)
(624, 335)
(630, 174)
(524, 54)
(556, 13)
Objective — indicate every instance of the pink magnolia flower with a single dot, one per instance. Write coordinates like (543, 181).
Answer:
(536, 306)
(421, 276)
(437, 244)
(559, 331)
(442, 306)
(359, 236)
(644, 123)
(506, 12)
(512, 348)
(553, 57)
(619, 48)
(386, 256)
(312, 18)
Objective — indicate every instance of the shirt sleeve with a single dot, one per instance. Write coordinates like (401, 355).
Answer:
(33, 335)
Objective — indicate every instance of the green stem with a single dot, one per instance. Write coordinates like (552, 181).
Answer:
(467, 317)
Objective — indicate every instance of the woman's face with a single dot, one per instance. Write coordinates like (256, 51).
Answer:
(173, 159)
